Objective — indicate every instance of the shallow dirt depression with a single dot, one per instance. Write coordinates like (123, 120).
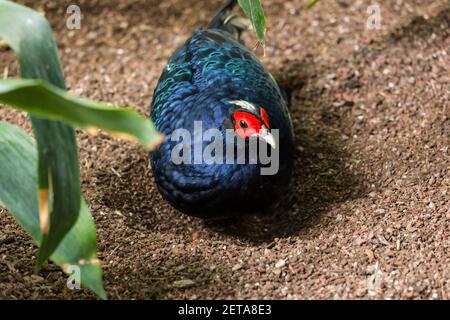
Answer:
(369, 209)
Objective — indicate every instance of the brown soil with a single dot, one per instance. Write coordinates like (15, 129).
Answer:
(369, 210)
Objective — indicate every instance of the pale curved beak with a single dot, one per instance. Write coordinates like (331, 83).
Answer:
(265, 135)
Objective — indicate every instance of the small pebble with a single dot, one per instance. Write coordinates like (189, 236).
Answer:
(236, 267)
(185, 283)
(280, 263)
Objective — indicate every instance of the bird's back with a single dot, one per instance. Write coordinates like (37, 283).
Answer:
(210, 59)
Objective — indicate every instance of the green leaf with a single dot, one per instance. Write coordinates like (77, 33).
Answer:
(30, 36)
(46, 101)
(310, 4)
(255, 12)
(18, 189)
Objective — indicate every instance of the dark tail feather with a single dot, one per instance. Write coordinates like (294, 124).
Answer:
(228, 21)
(218, 21)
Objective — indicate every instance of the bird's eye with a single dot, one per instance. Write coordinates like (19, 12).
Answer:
(243, 124)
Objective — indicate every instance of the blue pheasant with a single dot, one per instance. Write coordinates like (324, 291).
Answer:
(213, 82)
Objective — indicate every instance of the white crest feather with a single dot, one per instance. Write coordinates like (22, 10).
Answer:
(245, 104)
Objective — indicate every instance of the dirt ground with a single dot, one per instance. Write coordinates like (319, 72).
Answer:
(369, 209)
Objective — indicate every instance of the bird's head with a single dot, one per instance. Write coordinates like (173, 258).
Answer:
(249, 120)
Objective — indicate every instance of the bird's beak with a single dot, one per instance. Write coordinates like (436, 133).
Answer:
(265, 135)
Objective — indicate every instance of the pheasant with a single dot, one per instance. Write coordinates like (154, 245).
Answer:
(213, 82)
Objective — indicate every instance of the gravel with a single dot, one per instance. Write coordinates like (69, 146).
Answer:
(368, 213)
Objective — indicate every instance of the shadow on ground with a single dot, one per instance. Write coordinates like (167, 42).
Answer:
(320, 179)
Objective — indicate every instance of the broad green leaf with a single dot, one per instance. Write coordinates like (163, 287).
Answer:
(46, 101)
(18, 189)
(311, 4)
(30, 36)
(255, 12)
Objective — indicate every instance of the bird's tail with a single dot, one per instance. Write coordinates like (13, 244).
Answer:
(228, 21)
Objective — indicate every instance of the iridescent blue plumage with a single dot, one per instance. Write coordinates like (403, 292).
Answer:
(203, 76)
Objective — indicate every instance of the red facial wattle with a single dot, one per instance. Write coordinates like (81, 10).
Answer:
(264, 117)
(246, 124)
